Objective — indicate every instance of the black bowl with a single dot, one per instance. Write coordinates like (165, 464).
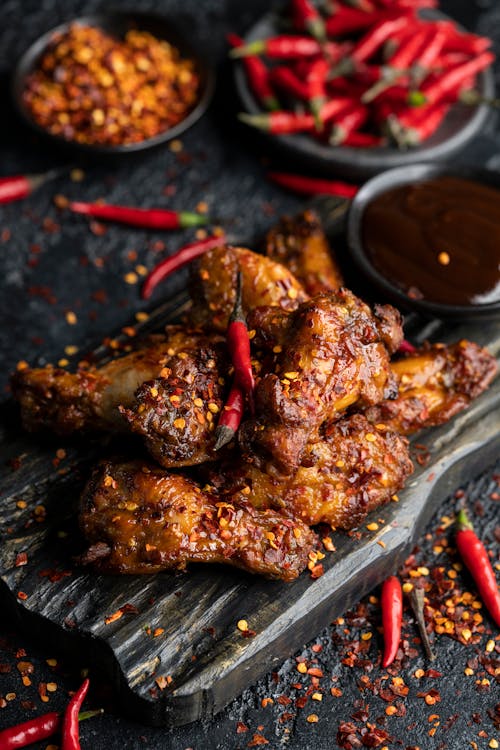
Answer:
(118, 23)
(385, 182)
(460, 125)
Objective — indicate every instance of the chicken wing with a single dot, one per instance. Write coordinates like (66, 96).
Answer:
(141, 519)
(264, 282)
(434, 384)
(65, 402)
(300, 244)
(353, 469)
(176, 413)
(332, 352)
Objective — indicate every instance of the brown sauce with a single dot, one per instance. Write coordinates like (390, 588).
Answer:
(438, 240)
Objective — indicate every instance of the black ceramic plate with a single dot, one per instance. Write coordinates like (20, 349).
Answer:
(460, 125)
(402, 176)
(118, 23)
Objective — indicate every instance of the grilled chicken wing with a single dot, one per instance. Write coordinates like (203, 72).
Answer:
(332, 352)
(176, 414)
(264, 282)
(65, 402)
(353, 469)
(434, 384)
(141, 519)
(300, 244)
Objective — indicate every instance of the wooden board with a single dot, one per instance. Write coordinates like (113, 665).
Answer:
(200, 647)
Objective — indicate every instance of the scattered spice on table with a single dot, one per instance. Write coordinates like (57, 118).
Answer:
(93, 88)
(148, 218)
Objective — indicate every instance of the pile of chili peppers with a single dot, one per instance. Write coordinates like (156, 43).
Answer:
(362, 73)
(47, 725)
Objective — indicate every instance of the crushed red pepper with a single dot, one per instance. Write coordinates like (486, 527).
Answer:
(93, 88)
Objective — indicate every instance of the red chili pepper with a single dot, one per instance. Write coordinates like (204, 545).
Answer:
(363, 140)
(19, 186)
(475, 556)
(316, 83)
(469, 44)
(375, 38)
(350, 20)
(286, 123)
(30, 731)
(391, 602)
(70, 727)
(449, 81)
(148, 218)
(285, 79)
(230, 418)
(364, 5)
(429, 54)
(348, 123)
(411, 127)
(181, 258)
(312, 185)
(406, 347)
(287, 47)
(258, 76)
(307, 18)
(239, 344)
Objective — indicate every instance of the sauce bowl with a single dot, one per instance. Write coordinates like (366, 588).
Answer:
(409, 175)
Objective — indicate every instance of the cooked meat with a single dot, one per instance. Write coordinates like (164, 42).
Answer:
(434, 384)
(176, 414)
(141, 519)
(65, 402)
(264, 282)
(332, 354)
(300, 244)
(353, 469)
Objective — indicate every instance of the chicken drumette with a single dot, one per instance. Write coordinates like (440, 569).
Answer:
(300, 244)
(351, 470)
(139, 518)
(434, 384)
(331, 352)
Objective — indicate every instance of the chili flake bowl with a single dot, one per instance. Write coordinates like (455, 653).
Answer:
(410, 175)
(117, 24)
(461, 124)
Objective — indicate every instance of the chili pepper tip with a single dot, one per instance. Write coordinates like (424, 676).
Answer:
(223, 436)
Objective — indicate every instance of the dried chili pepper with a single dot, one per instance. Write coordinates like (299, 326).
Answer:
(313, 185)
(391, 601)
(258, 76)
(230, 418)
(70, 727)
(448, 81)
(182, 257)
(307, 18)
(286, 47)
(475, 556)
(239, 346)
(36, 730)
(20, 186)
(148, 218)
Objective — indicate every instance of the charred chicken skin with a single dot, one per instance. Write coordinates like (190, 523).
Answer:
(176, 414)
(264, 282)
(139, 518)
(300, 244)
(353, 469)
(332, 352)
(435, 384)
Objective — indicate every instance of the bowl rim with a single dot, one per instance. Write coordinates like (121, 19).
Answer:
(369, 161)
(405, 175)
(169, 31)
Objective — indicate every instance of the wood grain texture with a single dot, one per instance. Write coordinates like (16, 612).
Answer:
(200, 648)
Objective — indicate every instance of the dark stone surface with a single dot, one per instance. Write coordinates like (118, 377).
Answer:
(85, 274)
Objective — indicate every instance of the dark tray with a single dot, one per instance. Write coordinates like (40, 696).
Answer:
(210, 662)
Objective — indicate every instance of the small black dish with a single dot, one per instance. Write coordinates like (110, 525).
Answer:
(118, 23)
(462, 123)
(403, 176)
